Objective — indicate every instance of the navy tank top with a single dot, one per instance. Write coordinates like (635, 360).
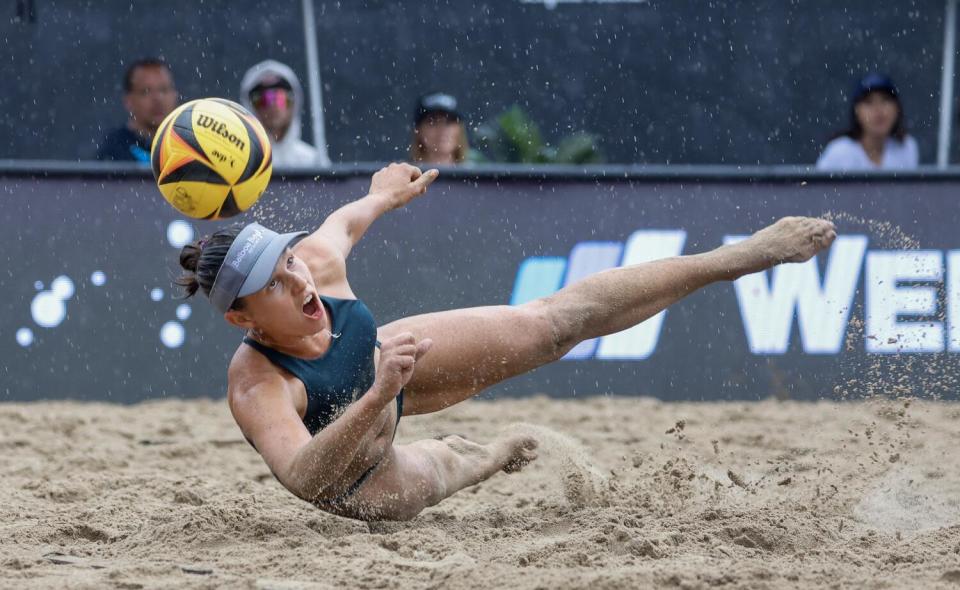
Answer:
(345, 371)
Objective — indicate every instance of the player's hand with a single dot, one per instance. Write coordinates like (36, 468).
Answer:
(398, 358)
(401, 183)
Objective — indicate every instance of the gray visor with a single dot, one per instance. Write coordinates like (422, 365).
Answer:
(249, 264)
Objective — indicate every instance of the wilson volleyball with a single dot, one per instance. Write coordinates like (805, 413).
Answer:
(211, 159)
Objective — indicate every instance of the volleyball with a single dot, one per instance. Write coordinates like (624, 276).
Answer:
(211, 159)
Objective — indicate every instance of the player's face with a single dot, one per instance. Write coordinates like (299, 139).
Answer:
(441, 137)
(151, 97)
(289, 305)
(274, 108)
(877, 114)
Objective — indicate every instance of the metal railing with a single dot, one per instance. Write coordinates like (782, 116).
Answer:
(546, 172)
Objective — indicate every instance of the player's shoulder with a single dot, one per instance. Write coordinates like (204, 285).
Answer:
(261, 396)
(326, 262)
(317, 245)
(249, 372)
(320, 252)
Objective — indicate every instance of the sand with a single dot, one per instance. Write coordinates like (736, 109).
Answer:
(629, 492)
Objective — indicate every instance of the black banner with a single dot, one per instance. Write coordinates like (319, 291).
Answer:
(89, 308)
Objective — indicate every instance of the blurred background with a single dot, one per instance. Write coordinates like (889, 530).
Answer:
(626, 82)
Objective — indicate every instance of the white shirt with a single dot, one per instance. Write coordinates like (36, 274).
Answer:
(293, 152)
(846, 154)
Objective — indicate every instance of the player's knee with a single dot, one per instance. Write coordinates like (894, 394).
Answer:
(426, 492)
(435, 478)
(545, 321)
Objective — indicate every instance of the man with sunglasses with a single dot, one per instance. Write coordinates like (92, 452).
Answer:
(273, 93)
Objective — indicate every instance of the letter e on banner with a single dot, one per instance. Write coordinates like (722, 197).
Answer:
(886, 301)
(953, 298)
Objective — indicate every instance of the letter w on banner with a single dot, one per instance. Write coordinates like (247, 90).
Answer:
(822, 310)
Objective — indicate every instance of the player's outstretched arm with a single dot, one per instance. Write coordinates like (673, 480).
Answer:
(391, 188)
(309, 466)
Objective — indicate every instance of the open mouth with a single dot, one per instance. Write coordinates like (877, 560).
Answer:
(311, 307)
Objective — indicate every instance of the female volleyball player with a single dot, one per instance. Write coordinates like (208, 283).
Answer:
(318, 388)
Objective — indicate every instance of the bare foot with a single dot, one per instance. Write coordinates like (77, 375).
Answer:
(791, 239)
(516, 451)
(509, 454)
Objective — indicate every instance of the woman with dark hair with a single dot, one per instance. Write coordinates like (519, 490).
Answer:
(318, 388)
(877, 138)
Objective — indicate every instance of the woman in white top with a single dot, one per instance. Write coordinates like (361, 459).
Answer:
(877, 138)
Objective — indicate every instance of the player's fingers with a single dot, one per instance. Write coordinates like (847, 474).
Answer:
(421, 183)
(404, 362)
(406, 350)
(400, 339)
(423, 347)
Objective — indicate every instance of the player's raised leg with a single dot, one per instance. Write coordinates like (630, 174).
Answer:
(478, 347)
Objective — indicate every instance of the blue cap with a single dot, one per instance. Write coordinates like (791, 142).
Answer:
(871, 83)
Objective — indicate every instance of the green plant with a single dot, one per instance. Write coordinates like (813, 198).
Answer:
(514, 137)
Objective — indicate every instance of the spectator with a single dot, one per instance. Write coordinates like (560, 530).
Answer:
(148, 95)
(877, 138)
(439, 135)
(272, 91)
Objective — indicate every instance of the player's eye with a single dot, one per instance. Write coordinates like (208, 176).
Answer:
(273, 283)
(289, 261)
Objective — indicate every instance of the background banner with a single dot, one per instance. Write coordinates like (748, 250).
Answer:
(89, 311)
